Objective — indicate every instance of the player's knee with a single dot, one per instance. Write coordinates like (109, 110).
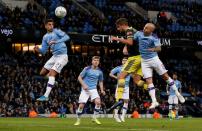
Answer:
(170, 107)
(165, 76)
(125, 101)
(81, 106)
(121, 82)
(52, 73)
(42, 73)
(149, 80)
(176, 107)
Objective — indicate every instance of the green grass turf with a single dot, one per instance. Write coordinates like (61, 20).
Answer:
(66, 124)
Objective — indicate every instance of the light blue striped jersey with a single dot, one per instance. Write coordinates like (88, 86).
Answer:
(91, 77)
(146, 42)
(59, 47)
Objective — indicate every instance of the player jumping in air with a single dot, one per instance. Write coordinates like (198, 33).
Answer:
(88, 79)
(55, 39)
(132, 65)
(149, 45)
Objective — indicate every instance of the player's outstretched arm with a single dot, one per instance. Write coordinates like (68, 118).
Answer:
(128, 41)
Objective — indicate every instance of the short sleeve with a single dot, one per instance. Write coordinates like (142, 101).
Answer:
(101, 78)
(83, 73)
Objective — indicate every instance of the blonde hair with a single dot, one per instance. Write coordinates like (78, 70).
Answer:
(95, 57)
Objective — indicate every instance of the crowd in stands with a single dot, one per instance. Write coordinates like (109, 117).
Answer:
(21, 85)
(188, 22)
(187, 25)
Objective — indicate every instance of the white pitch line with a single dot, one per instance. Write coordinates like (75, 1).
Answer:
(82, 127)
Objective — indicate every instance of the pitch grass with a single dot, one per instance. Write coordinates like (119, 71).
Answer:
(66, 124)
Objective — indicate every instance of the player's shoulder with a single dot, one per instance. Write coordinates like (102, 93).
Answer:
(57, 30)
(46, 35)
(178, 81)
(130, 30)
(87, 68)
(154, 35)
(99, 69)
(120, 67)
(139, 32)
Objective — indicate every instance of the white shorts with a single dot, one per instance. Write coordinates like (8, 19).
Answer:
(56, 62)
(172, 99)
(154, 63)
(84, 96)
(125, 93)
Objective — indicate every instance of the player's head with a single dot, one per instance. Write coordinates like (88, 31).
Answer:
(175, 76)
(149, 28)
(124, 60)
(121, 24)
(49, 25)
(95, 61)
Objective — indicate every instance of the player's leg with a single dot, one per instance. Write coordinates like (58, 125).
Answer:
(137, 73)
(83, 98)
(79, 113)
(97, 110)
(124, 110)
(171, 83)
(96, 98)
(137, 79)
(147, 71)
(59, 63)
(44, 71)
(176, 107)
(170, 107)
(121, 84)
(116, 105)
(161, 70)
(125, 105)
(116, 110)
(152, 92)
(51, 82)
